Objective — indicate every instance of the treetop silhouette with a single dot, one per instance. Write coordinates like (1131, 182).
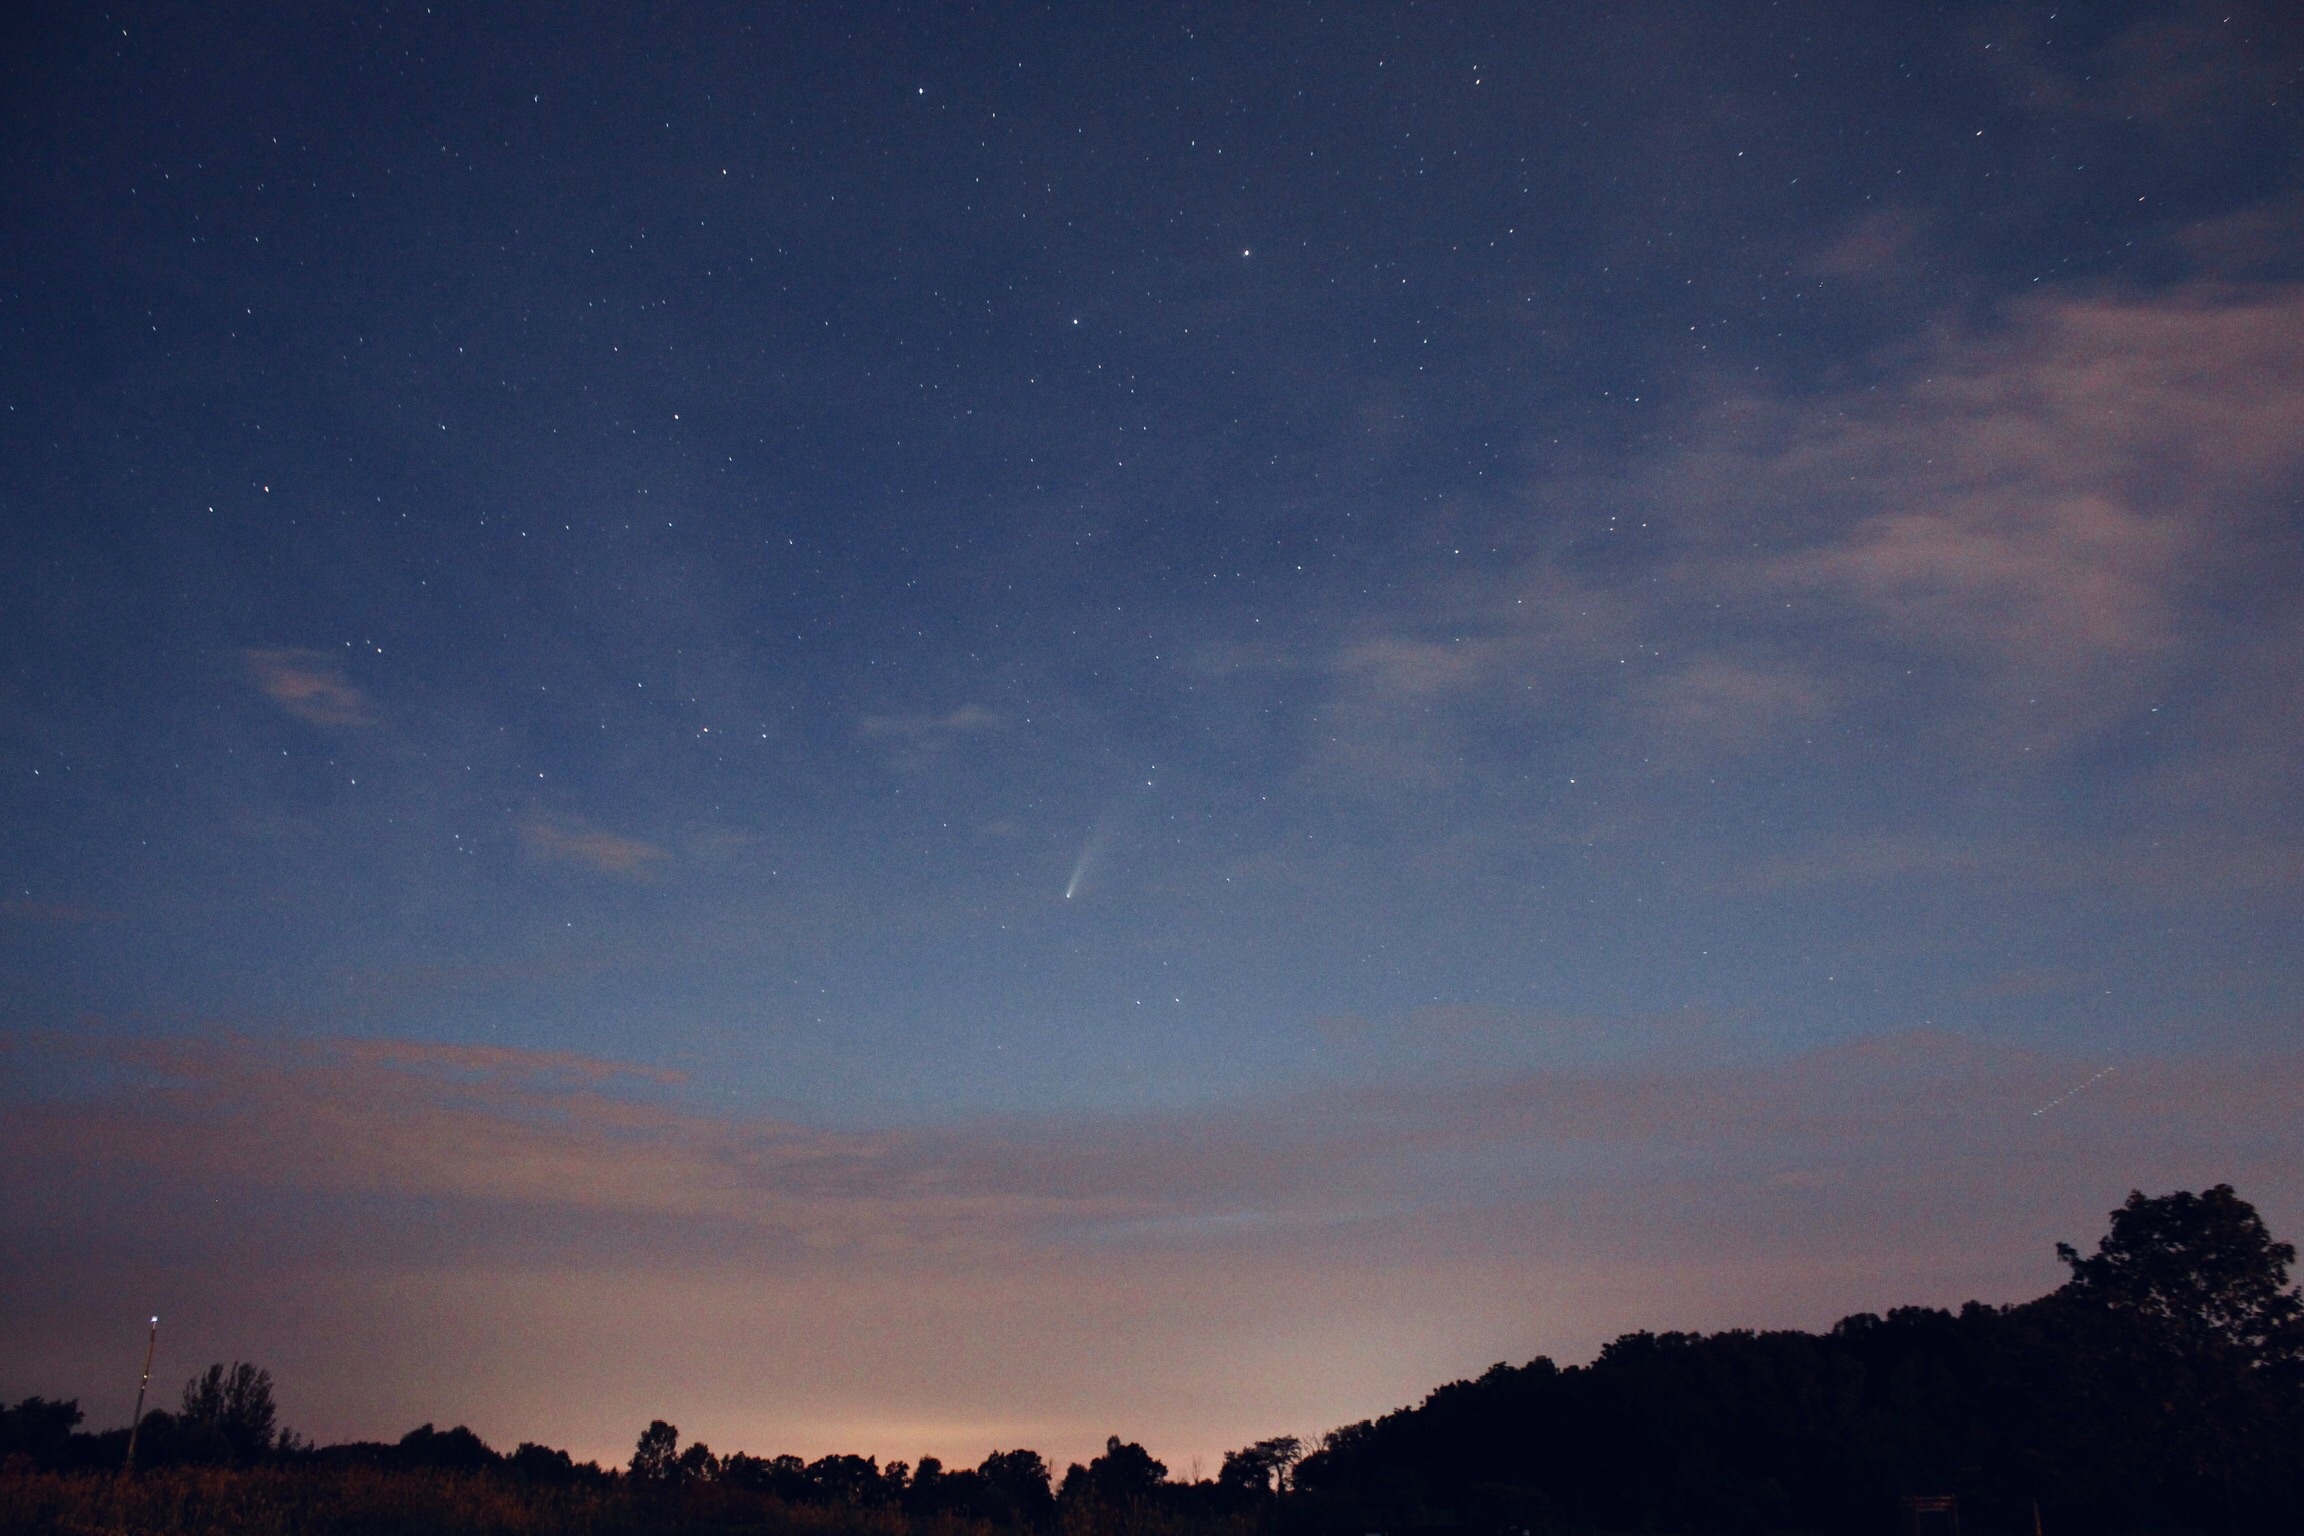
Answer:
(2203, 1264)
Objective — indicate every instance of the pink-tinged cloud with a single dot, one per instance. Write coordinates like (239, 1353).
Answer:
(2190, 73)
(603, 853)
(553, 1248)
(1717, 702)
(1880, 249)
(2046, 521)
(309, 685)
(2058, 500)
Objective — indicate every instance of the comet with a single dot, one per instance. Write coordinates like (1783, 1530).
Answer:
(1090, 851)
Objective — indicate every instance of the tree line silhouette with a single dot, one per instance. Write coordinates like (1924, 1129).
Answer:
(2161, 1389)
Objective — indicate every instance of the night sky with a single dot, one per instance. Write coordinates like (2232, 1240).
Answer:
(911, 728)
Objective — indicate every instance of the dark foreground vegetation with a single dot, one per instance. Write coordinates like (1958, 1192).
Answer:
(2160, 1390)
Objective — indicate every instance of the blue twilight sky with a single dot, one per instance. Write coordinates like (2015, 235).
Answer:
(962, 695)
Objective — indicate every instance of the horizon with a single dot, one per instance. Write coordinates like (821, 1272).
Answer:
(1193, 1472)
(908, 731)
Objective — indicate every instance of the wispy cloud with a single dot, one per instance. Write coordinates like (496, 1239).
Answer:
(1879, 249)
(2026, 542)
(309, 685)
(604, 853)
(2053, 501)
(1717, 702)
(966, 720)
(62, 912)
(915, 742)
(2192, 71)
(494, 1128)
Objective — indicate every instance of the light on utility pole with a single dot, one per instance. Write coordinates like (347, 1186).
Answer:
(136, 1420)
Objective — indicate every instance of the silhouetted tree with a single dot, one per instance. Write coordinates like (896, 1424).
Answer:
(786, 1477)
(656, 1456)
(696, 1464)
(542, 1463)
(852, 1480)
(1009, 1488)
(1019, 1482)
(38, 1429)
(168, 1439)
(1262, 1467)
(2203, 1264)
(236, 1402)
(1125, 1474)
(457, 1449)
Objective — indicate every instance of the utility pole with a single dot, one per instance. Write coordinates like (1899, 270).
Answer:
(136, 1421)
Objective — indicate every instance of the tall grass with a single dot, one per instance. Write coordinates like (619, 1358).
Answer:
(360, 1501)
(371, 1501)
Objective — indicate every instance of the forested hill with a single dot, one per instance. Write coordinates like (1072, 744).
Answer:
(2162, 1389)
(2091, 1414)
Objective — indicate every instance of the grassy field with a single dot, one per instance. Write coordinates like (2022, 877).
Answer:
(366, 1501)
(266, 1501)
